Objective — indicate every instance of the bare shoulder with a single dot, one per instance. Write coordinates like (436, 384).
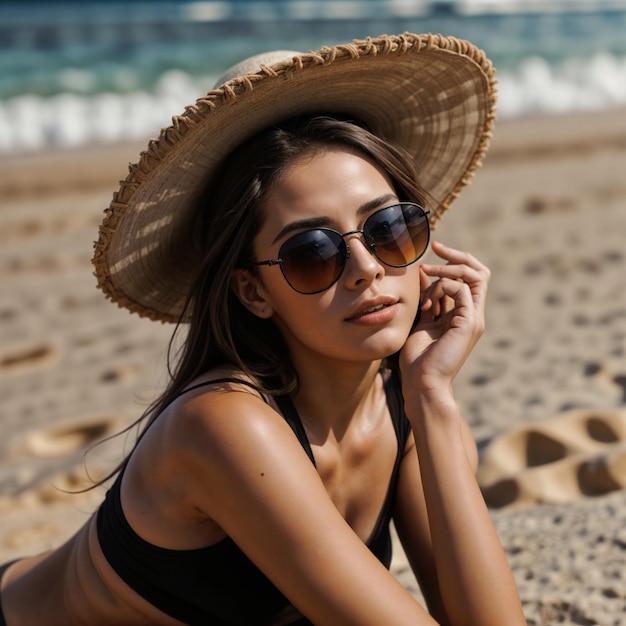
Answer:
(229, 415)
(222, 427)
(204, 449)
(220, 405)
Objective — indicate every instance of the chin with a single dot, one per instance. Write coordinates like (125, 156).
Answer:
(388, 346)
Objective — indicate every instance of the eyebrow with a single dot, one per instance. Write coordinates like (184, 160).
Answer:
(322, 222)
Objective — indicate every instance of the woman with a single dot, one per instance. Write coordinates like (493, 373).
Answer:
(312, 402)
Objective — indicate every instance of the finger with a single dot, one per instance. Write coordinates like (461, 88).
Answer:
(441, 302)
(442, 306)
(477, 280)
(424, 281)
(452, 296)
(458, 257)
(425, 284)
(456, 272)
(459, 268)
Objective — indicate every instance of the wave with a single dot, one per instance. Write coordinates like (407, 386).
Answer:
(30, 122)
(575, 85)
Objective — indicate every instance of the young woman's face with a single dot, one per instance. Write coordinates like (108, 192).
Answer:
(368, 313)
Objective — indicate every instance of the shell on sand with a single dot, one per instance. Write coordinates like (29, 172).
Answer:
(577, 454)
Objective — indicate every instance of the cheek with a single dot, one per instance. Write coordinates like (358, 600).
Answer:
(306, 318)
(406, 282)
(298, 311)
(414, 289)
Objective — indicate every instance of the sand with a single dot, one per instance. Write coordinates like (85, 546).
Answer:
(544, 392)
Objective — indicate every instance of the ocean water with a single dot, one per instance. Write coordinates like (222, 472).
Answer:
(80, 72)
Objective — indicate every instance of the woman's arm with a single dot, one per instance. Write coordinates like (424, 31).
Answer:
(465, 571)
(455, 553)
(412, 523)
(254, 480)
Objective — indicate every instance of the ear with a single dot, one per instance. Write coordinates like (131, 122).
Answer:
(251, 294)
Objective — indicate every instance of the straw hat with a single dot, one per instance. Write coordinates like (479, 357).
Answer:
(432, 95)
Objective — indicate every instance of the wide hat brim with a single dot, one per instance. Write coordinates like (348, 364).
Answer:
(432, 95)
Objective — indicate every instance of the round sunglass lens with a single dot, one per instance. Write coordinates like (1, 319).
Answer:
(399, 234)
(313, 260)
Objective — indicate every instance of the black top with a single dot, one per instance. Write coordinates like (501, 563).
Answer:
(219, 585)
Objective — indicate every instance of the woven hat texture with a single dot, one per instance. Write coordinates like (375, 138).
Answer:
(432, 95)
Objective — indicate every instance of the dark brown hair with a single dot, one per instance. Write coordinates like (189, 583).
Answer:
(221, 331)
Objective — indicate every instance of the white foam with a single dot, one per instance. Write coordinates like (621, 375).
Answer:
(30, 123)
(577, 85)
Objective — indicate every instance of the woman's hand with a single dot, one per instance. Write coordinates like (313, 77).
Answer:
(451, 322)
(472, 581)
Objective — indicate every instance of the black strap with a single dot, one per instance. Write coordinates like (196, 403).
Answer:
(395, 402)
(289, 412)
(206, 383)
(284, 403)
(292, 418)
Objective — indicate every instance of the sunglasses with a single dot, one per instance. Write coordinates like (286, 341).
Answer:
(312, 261)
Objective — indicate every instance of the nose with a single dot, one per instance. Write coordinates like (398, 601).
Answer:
(362, 267)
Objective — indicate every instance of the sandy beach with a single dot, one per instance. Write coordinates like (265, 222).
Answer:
(544, 391)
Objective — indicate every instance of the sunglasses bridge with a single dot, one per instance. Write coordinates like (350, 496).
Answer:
(369, 245)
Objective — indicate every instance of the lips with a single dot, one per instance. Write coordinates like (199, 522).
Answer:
(376, 308)
(371, 307)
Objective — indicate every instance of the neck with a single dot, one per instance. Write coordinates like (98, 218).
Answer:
(331, 394)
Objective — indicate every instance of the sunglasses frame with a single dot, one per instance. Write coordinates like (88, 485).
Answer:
(370, 245)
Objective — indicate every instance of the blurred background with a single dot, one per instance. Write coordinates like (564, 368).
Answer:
(83, 71)
(84, 84)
